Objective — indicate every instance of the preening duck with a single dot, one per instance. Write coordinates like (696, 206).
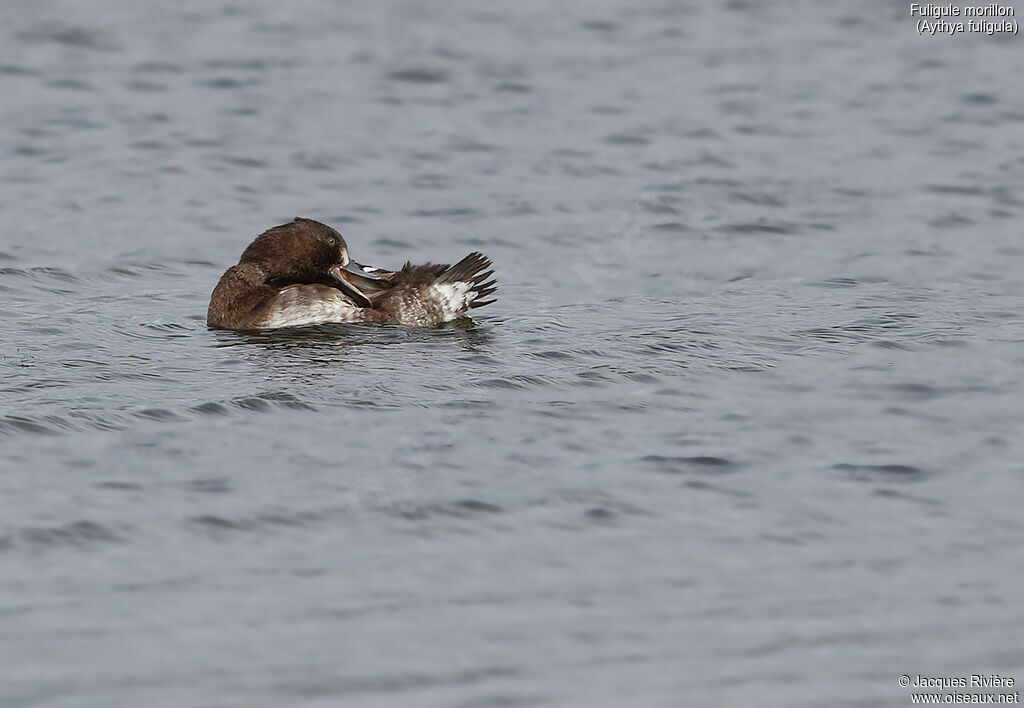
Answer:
(300, 273)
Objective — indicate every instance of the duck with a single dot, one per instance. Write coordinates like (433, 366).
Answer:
(300, 273)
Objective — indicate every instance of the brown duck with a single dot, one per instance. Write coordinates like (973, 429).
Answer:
(300, 273)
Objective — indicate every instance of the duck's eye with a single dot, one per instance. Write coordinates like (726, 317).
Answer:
(332, 241)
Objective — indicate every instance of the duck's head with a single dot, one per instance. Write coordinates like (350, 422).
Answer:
(305, 251)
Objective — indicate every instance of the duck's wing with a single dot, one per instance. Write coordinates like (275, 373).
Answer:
(418, 275)
(409, 283)
(429, 294)
(474, 272)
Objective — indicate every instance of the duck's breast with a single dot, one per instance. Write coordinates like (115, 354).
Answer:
(298, 305)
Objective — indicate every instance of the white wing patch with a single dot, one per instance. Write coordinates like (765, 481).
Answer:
(454, 299)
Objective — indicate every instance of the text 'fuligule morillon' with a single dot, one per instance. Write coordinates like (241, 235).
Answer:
(993, 9)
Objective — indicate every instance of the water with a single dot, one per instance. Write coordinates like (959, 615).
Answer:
(743, 426)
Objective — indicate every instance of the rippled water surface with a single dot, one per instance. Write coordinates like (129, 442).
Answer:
(742, 428)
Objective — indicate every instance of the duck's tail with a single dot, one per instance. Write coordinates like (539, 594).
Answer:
(429, 294)
(469, 278)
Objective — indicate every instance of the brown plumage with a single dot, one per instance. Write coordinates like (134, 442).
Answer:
(410, 295)
(300, 273)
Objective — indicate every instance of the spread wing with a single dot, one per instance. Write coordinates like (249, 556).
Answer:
(429, 294)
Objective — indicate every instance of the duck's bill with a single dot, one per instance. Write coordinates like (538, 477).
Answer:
(367, 278)
(354, 279)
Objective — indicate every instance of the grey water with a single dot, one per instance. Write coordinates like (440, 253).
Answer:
(743, 427)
